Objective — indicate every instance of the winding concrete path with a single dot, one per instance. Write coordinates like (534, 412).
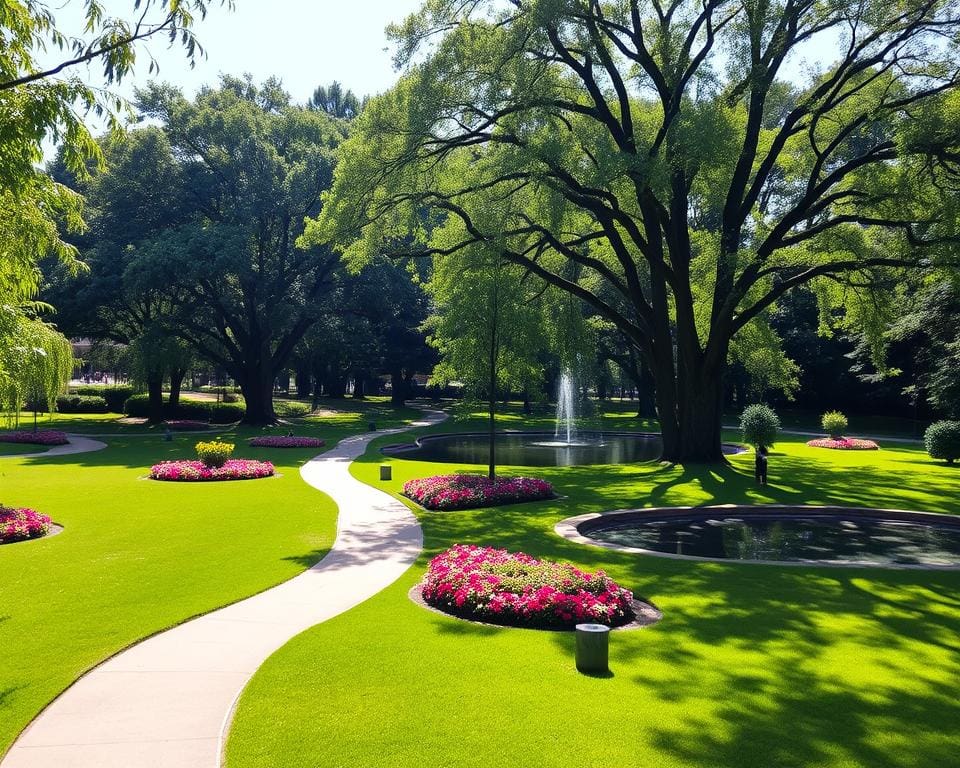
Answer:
(77, 444)
(166, 702)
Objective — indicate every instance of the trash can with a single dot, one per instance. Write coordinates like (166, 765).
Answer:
(593, 645)
(372, 426)
(386, 472)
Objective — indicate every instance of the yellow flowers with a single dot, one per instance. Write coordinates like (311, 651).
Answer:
(214, 453)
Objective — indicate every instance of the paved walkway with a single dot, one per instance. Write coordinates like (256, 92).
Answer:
(165, 702)
(77, 444)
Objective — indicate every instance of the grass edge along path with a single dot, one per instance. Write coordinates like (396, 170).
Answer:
(752, 666)
(139, 556)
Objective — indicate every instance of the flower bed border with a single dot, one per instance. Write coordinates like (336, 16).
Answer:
(23, 437)
(484, 503)
(258, 442)
(844, 444)
(40, 519)
(212, 478)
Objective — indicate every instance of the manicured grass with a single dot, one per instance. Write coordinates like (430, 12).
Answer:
(138, 556)
(751, 667)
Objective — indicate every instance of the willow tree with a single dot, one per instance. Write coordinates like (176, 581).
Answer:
(672, 174)
(35, 365)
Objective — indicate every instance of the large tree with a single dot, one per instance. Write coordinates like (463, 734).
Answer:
(666, 169)
(252, 166)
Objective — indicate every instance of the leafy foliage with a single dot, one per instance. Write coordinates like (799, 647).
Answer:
(942, 440)
(759, 425)
(834, 423)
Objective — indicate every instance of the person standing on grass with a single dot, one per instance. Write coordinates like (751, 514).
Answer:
(760, 465)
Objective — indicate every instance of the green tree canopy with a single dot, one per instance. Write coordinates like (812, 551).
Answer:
(655, 161)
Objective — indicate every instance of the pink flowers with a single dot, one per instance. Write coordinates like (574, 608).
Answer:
(471, 491)
(23, 523)
(286, 441)
(185, 425)
(514, 588)
(844, 444)
(193, 471)
(40, 437)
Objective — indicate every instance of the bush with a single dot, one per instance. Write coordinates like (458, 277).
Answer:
(231, 397)
(760, 425)
(200, 410)
(471, 491)
(513, 588)
(81, 404)
(289, 408)
(942, 440)
(214, 453)
(286, 441)
(834, 424)
(214, 390)
(115, 396)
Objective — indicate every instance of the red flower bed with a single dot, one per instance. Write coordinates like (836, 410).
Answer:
(286, 441)
(844, 444)
(186, 425)
(40, 437)
(22, 523)
(193, 471)
(472, 491)
(512, 588)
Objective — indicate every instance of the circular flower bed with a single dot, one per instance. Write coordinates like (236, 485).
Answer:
(471, 491)
(515, 589)
(38, 437)
(844, 444)
(20, 524)
(185, 425)
(286, 441)
(193, 470)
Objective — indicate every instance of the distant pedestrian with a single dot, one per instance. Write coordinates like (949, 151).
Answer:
(760, 465)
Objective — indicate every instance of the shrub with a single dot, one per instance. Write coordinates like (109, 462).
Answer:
(81, 404)
(231, 397)
(942, 440)
(39, 437)
(513, 588)
(214, 390)
(471, 491)
(291, 408)
(760, 425)
(844, 444)
(185, 425)
(834, 424)
(197, 471)
(286, 441)
(200, 410)
(214, 453)
(115, 395)
(23, 523)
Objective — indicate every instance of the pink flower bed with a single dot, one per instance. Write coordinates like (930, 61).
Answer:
(286, 441)
(192, 470)
(844, 444)
(40, 437)
(471, 491)
(22, 523)
(185, 425)
(512, 588)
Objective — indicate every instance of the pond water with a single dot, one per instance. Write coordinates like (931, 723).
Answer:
(790, 537)
(531, 449)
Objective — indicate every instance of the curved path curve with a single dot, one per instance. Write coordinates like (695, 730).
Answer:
(77, 444)
(166, 702)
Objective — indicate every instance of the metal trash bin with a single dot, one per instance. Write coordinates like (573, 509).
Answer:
(386, 472)
(593, 648)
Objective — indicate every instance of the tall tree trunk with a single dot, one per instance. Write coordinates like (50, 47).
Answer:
(398, 388)
(359, 387)
(155, 397)
(176, 382)
(257, 388)
(303, 382)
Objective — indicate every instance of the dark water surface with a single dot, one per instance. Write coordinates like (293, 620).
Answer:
(790, 538)
(534, 449)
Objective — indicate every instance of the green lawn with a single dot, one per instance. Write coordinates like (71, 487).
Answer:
(751, 666)
(138, 556)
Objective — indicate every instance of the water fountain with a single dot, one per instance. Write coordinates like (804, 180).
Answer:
(566, 410)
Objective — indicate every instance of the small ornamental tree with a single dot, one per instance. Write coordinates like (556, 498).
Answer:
(35, 366)
(834, 423)
(760, 425)
(942, 440)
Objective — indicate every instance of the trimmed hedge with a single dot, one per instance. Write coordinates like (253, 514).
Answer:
(289, 408)
(942, 440)
(115, 395)
(199, 410)
(81, 404)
